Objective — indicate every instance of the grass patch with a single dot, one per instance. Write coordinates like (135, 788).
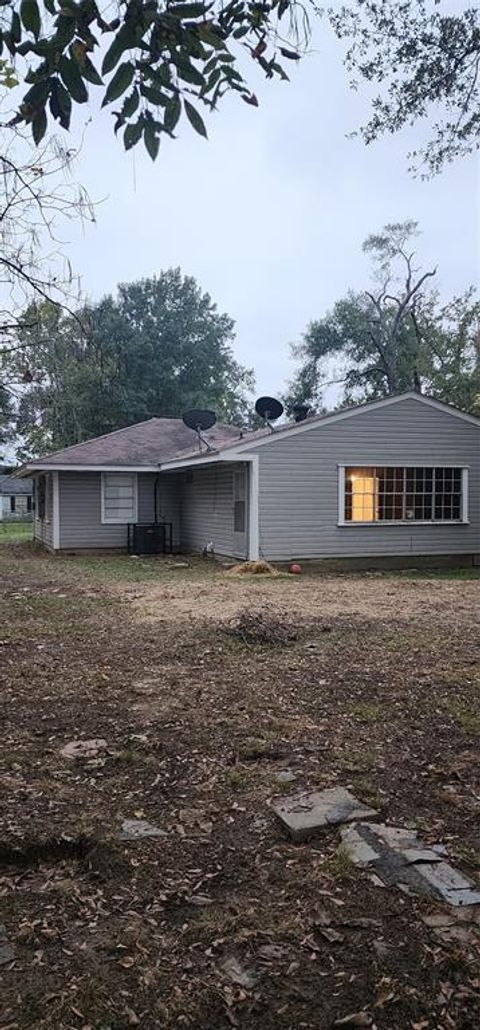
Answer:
(11, 532)
(466, 717)
(339, 866)
(367, 713)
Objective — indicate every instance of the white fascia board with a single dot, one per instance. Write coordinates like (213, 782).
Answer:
(30, 470)
(207, 459)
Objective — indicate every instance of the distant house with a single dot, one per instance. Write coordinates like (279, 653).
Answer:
(394, 477)
(16, 497)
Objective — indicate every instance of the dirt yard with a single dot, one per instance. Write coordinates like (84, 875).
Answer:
(205, 689)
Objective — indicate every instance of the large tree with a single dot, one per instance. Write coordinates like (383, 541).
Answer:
(158, 348)
(424, 56)
(393, 337)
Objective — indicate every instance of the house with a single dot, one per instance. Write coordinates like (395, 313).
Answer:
(16, 498)
(393, 477)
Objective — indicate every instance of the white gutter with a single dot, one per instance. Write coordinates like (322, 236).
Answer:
(29, 470)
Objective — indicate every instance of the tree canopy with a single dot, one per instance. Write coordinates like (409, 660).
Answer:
(154, 61)
(426, 61)
(158, 60)
(393, 337)
(158, 348)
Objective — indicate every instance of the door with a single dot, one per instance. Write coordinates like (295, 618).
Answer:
(240, 511)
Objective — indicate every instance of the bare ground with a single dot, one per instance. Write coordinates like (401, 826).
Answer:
(376, 687)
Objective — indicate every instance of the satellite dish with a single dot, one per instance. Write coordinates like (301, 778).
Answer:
(269, 408)
(199, 419)
(300, 412)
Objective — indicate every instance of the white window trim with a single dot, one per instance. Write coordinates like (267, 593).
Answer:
(112, 521)
(463, 521)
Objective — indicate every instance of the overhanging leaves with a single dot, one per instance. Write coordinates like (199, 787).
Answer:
(178, 57)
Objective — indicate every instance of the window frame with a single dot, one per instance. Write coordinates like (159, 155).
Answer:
(108, 520)
(348, 523)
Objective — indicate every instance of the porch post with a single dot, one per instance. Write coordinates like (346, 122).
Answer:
(253, 509)
(56, 511)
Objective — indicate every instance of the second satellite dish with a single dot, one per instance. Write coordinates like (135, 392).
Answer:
(199, 419)
(269, 408)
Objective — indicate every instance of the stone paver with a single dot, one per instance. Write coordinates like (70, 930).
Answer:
(136, 829)
(306, 814)
(83, 748)
(401, 860)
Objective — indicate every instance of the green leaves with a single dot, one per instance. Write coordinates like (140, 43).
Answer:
(39, 126)
(151, 140)
(120, 82)
(123, 40)
(30, 16)
(160, 56)
(195, 119)
(73, 80)
(133, 133)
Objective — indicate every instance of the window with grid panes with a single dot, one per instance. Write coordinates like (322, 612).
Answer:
(403, 494)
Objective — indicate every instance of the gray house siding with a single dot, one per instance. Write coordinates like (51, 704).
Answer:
(207, 510)
(298, 497)
(81, 510)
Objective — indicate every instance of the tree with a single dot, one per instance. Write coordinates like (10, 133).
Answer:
(395, 336)
(427, 63)
(158, 348)
(36, 196)
(159, 60)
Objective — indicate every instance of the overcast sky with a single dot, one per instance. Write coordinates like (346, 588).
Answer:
(269, 215)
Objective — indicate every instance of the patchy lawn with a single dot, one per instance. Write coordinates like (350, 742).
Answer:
(369, 682)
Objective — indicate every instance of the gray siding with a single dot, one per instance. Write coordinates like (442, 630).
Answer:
(80, 510)
(169, 503)
(207, 509)
(299, 484)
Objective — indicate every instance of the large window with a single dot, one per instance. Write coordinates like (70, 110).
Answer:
(119, 497)
(377, 493)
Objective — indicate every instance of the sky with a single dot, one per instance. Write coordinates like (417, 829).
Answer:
(270, 214)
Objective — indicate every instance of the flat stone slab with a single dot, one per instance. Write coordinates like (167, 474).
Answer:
(78, 749)
(304, 815)
(399, 859)
(137, 829)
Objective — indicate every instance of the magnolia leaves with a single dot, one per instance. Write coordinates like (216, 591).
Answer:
(161, 60)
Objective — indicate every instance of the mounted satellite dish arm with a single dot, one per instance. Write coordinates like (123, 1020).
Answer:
(200, 419)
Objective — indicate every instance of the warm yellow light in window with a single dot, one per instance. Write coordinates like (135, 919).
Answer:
(364, 498)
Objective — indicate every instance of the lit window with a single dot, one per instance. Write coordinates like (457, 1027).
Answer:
(119, 497)
(403, 494)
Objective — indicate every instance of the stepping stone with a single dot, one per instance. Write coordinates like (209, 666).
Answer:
(304, 815)
(137, 829)
(83, 748)
(286, 776)
(400, 859)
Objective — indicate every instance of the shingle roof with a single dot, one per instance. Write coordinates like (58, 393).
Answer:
(9, 486)
(146, 443)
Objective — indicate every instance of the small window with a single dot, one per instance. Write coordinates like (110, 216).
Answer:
(13, 504)
(119, 497)
(404, 494)
(29, 503)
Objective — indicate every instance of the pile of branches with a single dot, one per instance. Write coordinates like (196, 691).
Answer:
(262, 627)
